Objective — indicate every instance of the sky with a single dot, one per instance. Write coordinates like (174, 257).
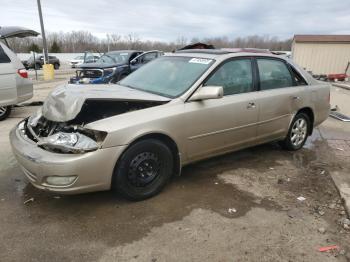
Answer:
(168, 20)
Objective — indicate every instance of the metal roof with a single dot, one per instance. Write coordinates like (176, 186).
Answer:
(322, 38)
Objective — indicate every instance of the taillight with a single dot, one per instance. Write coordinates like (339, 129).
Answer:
(23, 73)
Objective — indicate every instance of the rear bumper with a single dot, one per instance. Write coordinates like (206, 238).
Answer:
(93, 170)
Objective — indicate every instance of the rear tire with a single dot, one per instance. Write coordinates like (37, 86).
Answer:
(298, 133)
(143, 170)
(37, 66)
(5, 112)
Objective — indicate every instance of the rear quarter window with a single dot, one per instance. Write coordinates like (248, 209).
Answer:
(3, 56)
(299, 80)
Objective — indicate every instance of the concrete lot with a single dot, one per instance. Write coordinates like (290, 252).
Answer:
(239, 207)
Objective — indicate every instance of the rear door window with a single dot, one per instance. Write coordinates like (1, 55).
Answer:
(234, 76)
(3, 56)
(273, 74)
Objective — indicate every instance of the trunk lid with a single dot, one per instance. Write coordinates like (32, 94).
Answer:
(16, 31)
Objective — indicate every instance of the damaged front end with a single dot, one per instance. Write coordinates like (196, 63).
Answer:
(60, 125)
(62, 137)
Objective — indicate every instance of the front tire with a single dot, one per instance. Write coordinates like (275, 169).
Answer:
(56, 66)
(4, 112)
(298, 132)
(143, 170)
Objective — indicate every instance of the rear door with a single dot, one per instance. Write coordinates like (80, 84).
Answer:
(8, 91)
(279, 97)
(220, 125)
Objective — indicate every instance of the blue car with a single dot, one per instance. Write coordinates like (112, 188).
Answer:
(113, 66)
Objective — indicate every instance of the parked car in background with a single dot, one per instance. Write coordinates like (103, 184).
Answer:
(180, 108)
(112, 66)
(85, 58)
(15, 87)
(78, 60)
(38, 62)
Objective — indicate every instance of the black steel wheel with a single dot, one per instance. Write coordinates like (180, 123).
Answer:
(143, 170)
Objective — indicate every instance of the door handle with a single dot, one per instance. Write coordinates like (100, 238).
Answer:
(251, 105)
(296, 97)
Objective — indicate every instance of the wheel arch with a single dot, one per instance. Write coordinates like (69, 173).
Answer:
(168, 141)
(309, 112)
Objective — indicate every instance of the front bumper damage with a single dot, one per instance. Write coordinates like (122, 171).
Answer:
(91, 171)
(56, 149)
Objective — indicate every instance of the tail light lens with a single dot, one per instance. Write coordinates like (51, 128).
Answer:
(23, 73)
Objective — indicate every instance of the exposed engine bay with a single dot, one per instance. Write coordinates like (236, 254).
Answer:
(59, 126)
(71, 136)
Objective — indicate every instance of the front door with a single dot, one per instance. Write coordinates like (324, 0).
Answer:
(219, 125)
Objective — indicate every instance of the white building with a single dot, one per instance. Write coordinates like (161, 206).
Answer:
(322, 54)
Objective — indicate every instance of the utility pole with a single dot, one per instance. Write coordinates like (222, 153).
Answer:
(107, 42)
(43, 32)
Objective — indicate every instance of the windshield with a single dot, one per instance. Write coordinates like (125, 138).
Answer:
(81, 57)
(115, 57)
(167, 76)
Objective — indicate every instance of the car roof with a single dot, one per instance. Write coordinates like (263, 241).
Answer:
(151, 51)
(224, 53)
(123, 51)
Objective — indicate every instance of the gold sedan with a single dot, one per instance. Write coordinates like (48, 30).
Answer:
(177, 109)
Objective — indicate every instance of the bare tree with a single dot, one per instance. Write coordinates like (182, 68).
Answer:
(80, 41)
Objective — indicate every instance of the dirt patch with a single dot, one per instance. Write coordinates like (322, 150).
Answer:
(203, 235)
(241, 206)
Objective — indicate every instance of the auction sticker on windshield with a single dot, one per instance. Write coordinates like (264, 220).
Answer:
(200, 61)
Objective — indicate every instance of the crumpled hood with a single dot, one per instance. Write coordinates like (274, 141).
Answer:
(65, 102)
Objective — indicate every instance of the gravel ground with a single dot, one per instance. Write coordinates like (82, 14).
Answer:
(239, 207)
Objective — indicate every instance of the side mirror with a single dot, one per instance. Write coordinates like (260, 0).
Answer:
(133, 62)
(207, 92)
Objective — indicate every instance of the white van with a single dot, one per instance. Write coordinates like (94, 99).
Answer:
(15, 87)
